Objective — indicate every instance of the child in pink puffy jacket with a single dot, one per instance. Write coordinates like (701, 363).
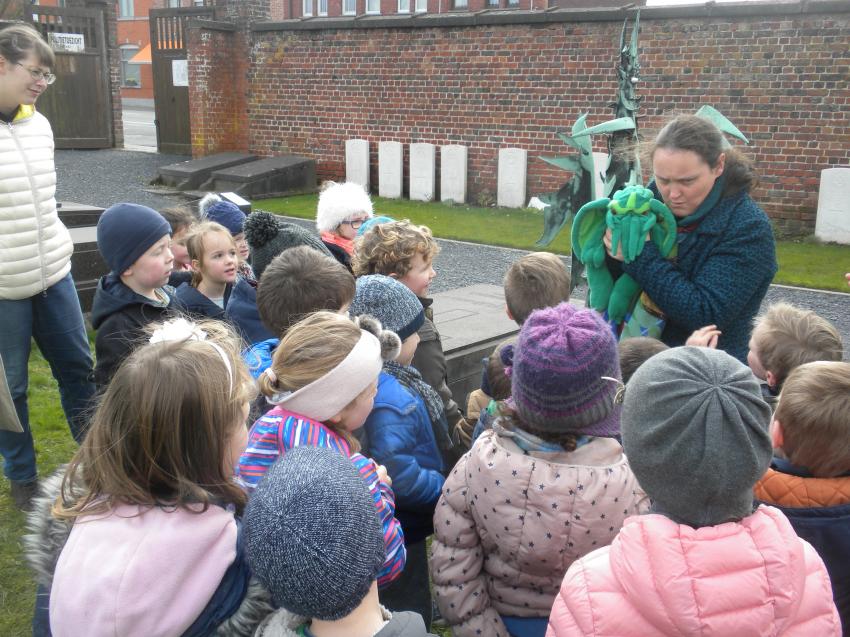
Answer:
(547, 484)
(707, 561)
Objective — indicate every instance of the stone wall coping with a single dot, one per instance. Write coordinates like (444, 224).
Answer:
(211, 25)
(489, 17)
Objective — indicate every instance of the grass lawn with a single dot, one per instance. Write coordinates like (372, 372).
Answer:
(54, 446)
(804, 262)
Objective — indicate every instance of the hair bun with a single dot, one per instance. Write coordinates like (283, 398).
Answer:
(260, 228)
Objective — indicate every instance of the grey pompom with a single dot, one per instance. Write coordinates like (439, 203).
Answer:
(390, 345)
(370, 324)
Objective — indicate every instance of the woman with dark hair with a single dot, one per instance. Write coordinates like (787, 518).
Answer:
(725, 256)
(38, 299)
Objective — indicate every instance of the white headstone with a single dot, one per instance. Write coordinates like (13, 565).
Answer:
(833, 220)
(357, 162)
(600, 165)
(512, 171)
(390, 169)
(422, 172)
(453, 173)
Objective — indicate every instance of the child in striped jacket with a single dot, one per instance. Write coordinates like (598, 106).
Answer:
(323, 381)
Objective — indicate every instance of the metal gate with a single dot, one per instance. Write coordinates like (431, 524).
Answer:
(171, 77)
(79, 104)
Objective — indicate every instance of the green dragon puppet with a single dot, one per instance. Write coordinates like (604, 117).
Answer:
(631, 214)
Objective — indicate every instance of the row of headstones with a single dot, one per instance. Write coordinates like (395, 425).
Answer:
(422, 173)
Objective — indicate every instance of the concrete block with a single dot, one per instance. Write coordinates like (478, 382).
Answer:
(453, 160)
(422, 172)
(192, 174)
(833, 218)
(513, 163)
(272, 175)
(471, 321)
(390, 169)
(357, 162)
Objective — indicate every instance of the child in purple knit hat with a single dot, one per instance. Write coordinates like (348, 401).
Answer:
(546, 485)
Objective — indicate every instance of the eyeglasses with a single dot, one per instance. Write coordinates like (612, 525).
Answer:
(354, 224)
(38, 74)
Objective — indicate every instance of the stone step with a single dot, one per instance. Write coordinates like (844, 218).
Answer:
(191, 174)
(283, 174)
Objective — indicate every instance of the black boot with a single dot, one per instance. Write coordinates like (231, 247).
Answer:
(23, 493)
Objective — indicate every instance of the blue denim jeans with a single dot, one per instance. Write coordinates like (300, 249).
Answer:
(54, 319)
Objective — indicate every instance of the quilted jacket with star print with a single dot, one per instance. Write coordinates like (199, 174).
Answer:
(509, 524)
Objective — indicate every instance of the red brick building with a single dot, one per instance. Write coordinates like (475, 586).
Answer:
(288, 9)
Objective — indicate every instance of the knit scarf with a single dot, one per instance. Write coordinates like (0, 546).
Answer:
(335, 239)
(412, 380)
(690, 222)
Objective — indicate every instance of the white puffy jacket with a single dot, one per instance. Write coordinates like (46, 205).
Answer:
(35, 247)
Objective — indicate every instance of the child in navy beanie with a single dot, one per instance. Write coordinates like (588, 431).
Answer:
(546, 485)
(135, 242)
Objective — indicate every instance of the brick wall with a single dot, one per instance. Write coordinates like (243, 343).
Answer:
(783, 77)
(216, 94)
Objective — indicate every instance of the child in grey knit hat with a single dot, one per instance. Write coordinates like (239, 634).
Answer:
(407, 432)
(313, 538)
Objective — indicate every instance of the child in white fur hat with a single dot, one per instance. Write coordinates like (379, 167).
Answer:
(341, 211)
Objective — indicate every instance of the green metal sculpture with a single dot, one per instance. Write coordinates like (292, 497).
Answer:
(622, 166)
(631, 213)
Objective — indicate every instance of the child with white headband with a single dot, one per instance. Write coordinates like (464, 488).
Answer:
(323, 381)
(146, 521)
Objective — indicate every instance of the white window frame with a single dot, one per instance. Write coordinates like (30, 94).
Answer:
(404, 6)
(349, 7)
(126, 49)
(307, 7)
(322, 7)
(126, 8)
(373, 6)
(460, 4)
(421, 6)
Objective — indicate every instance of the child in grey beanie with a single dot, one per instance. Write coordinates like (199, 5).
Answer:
(313, 538)
(695, 430)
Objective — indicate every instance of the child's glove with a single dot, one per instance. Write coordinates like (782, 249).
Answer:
(462, 433)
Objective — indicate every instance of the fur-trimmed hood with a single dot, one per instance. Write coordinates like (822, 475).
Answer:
(47, 536)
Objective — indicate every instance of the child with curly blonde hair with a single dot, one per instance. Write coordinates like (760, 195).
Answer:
(406, 252)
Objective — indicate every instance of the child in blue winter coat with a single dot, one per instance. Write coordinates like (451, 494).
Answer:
(407, 432)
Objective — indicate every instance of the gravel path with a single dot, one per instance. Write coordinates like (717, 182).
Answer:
(104, 177)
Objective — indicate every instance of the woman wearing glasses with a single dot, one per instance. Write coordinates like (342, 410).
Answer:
(342, 210)
(37, 294)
